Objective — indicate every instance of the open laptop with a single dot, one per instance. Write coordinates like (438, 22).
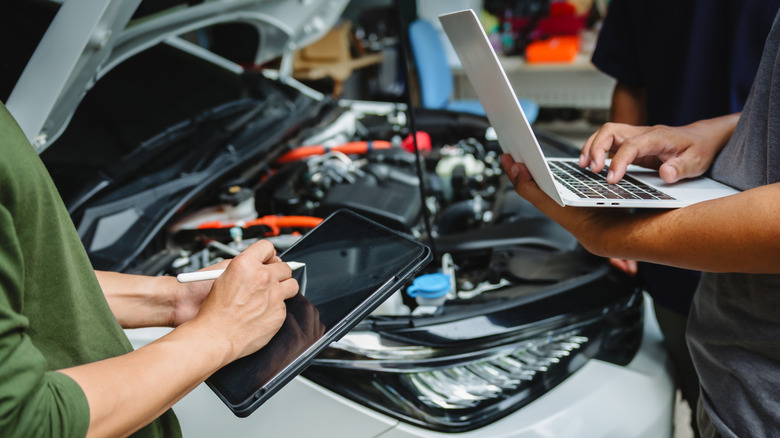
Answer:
(561, 178)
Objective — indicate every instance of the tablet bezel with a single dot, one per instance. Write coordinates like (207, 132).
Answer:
(340, 328)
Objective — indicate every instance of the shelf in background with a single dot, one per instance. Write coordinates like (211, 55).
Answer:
(577, 84)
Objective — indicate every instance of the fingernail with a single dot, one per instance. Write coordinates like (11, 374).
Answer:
(582, 161)
(514, 171)
(610, 175)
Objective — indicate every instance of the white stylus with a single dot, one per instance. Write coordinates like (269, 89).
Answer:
(188, 277)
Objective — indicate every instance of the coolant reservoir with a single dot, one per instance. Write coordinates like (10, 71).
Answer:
(393, 306)
(430, 289)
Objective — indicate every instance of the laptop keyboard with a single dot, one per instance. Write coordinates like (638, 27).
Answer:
(587, 184)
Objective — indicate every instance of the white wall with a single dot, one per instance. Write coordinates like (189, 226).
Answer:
(431, 9)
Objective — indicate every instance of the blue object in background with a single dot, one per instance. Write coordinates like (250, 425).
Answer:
(435, 76)
(429, 286)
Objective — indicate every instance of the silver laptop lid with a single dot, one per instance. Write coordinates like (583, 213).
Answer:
(498, 97)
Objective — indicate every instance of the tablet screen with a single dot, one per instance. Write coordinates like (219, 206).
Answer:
(348, 259)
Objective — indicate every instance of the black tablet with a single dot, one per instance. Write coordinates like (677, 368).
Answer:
(353, 264)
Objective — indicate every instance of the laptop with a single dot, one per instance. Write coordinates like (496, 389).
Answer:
(561, 178)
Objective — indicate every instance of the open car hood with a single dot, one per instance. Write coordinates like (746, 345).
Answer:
(87, 38)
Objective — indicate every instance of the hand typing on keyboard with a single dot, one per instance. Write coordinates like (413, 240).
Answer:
(677, 152)
(590, 185)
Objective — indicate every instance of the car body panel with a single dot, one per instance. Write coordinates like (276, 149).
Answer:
(595, 395)
(87, 38)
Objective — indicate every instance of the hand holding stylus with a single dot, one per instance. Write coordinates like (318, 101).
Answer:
(213, 274)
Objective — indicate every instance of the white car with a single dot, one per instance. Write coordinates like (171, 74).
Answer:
(170, 155)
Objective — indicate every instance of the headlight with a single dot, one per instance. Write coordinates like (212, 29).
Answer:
(456, 386)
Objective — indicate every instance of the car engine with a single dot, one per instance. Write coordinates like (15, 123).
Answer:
(443, 186)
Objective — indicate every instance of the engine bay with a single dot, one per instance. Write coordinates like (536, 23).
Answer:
(443, 186)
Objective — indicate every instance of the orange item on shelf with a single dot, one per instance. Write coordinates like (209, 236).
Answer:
(561, 48)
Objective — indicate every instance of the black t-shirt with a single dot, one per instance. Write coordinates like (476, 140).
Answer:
(696, 59)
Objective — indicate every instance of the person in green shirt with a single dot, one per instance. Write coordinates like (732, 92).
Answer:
(66, 366)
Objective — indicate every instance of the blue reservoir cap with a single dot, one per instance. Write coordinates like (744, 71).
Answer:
(429, 286)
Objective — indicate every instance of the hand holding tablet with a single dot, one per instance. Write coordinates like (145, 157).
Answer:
(353, 264)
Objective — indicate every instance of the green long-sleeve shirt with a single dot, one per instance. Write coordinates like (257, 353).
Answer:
(53, 314)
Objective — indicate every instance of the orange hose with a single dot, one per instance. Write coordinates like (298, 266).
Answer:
(275, 223)
(353, 147)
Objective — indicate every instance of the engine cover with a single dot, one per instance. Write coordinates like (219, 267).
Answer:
(386, 194)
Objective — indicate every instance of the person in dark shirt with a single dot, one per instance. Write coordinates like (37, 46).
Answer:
(676, 62)
(733, 328)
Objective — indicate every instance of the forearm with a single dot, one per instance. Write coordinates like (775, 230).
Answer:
(720, 130)
(222, 320)
(629, 105)
(739, 233)
(125, 393)
(138, 300)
